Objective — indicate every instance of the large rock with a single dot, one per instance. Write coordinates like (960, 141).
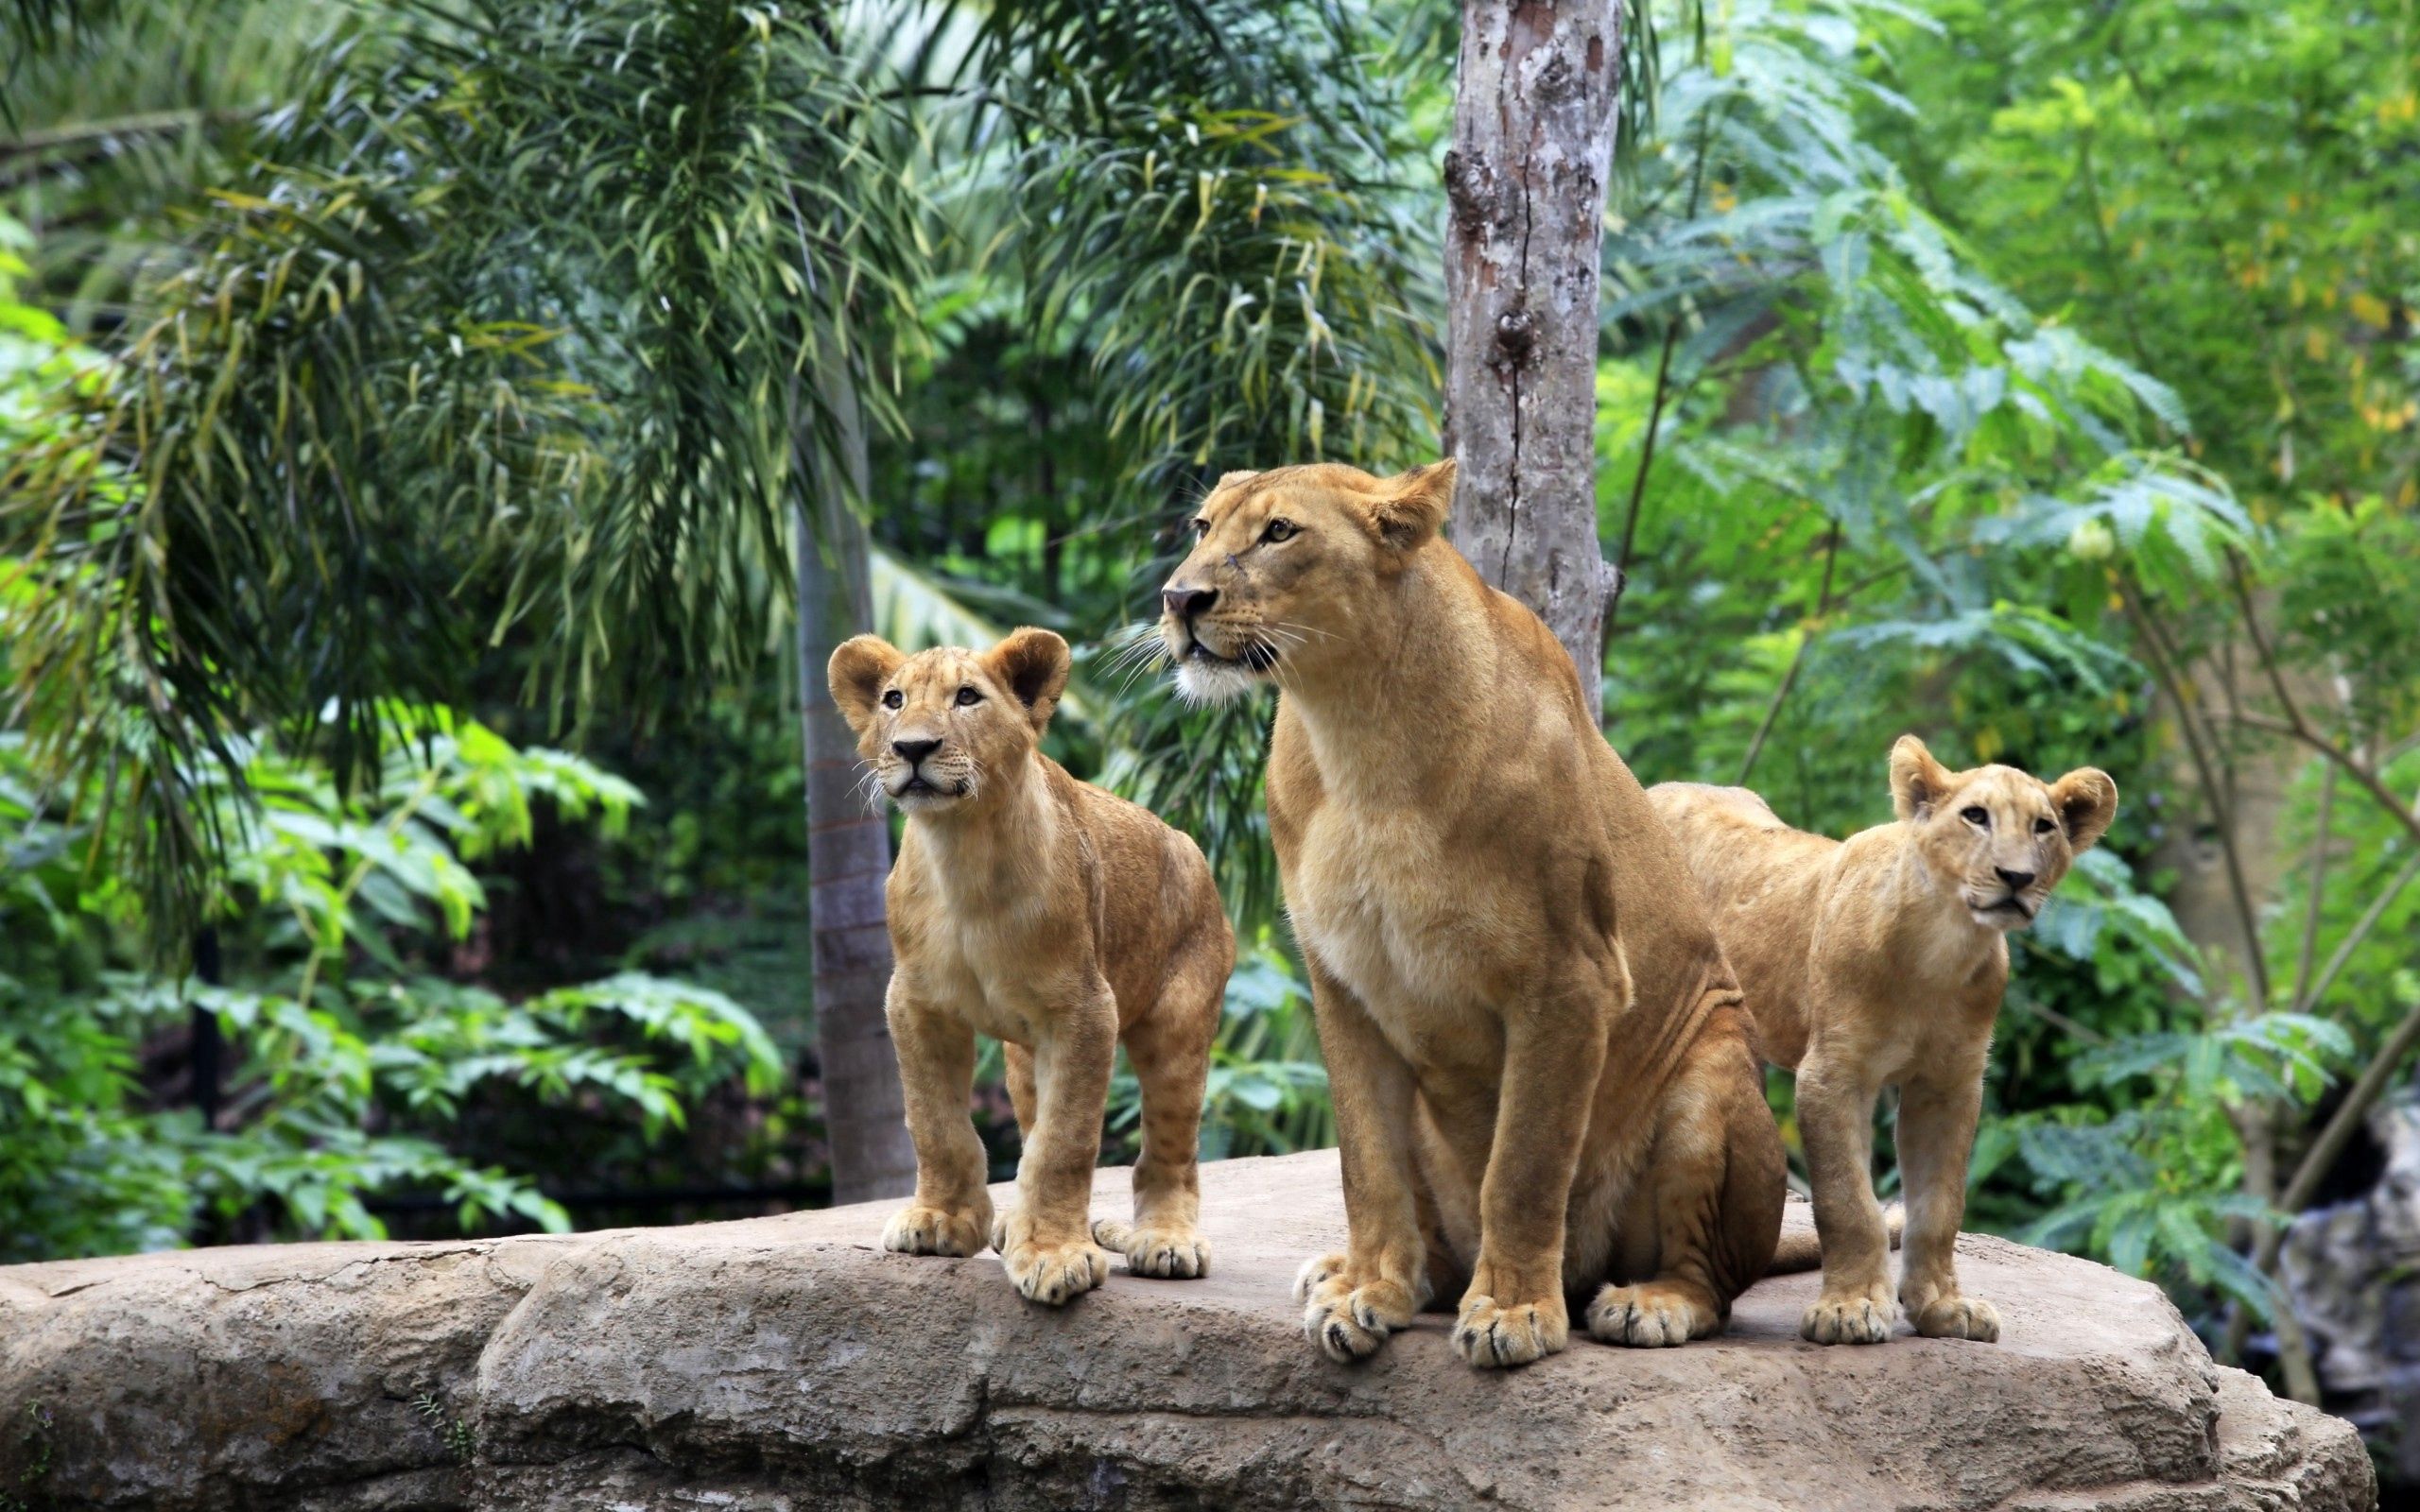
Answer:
(787, 1363)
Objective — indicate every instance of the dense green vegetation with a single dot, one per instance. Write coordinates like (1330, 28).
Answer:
(396, 393)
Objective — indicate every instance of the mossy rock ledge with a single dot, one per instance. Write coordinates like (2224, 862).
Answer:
(789, 1364)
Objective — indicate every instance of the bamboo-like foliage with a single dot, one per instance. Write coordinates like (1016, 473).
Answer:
(509, 325)
(1237, 173)
(1213, 209)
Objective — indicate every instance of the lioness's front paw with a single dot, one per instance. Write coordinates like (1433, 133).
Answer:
(1055, 1274)
(1647, 1316)
(917, 1230)
(1317, 1272)
(1488, 1335)
(1349, 1322)
(1958, 1317)
(1172, 1252)
(1850, 1317)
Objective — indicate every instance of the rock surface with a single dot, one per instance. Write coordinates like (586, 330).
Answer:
(787, 1363)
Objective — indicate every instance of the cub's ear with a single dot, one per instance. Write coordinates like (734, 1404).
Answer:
(1033, 665)
(1917, 780)
(2087, 801)
(859, 667)
(1415, 505)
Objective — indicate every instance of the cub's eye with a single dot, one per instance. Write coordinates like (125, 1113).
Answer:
(1201, 528)
(968, 697)
(2043, 826)
(894, 699)
(1280, 530)
(1976, 817)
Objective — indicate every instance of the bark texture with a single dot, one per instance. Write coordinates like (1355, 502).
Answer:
(787, 1365)
(848, 857)
(1533, 144)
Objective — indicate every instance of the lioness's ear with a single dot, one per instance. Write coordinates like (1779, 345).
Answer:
(1415, 505)
(1033, 665)
(2087, 801)
(859, 667)
(1228, 480)
(1916, 780)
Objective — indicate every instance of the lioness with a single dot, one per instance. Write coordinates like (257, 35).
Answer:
(1059, 918)
(1541, 1069)
(1881, 959)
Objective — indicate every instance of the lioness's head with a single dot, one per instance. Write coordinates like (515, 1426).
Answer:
(934, 727)
(1279, 563)
(1996, 838)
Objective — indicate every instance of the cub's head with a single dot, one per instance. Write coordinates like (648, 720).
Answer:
(934, 727)
(1996, 838)
(1282, 561)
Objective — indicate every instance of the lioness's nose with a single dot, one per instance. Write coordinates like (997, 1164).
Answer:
(1185, 603)
(2017, 880)
(916, 750)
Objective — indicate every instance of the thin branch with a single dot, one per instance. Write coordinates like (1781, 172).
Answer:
(2351, 943)
(2164, 667)
(1655, 409)
(2098, 214)
(1797, 658)
(98, 135)
(2297, 724)
(2306, 957)
(2324, 1152)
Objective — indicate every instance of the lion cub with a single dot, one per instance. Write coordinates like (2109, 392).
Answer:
(1881, 959)
(1057, 918)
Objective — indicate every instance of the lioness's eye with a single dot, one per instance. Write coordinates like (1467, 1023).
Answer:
(1280, 530)
(1201, 528)
(1976, 817)
(967, 697)
(2043, 826)
(894, 699)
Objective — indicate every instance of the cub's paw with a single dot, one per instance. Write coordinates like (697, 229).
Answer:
(1170, 1252)
(917, 1230)
(1649, 1317)
(1850, 1317)
(1349, 1322)
(1492, 1336)
(1958, 1317)
(1055, 1274)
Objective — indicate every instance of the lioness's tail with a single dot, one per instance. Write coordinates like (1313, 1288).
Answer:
(1800, 1250)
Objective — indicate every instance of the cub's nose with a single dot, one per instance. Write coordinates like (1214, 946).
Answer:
(2017, 880)
(916, 750)
(1185, 603)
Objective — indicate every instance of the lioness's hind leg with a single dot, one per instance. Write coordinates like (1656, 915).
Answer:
(1169, 1048)
(1666, 1311)
(1713, 1190)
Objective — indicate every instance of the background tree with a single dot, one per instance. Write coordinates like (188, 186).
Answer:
(1537, 96)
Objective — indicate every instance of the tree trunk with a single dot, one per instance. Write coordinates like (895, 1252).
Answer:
(848, 843)
(1534, 142)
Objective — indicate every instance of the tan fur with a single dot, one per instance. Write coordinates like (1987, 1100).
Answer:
(1541, 1069)
(1880, 960)
(1057, 918)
